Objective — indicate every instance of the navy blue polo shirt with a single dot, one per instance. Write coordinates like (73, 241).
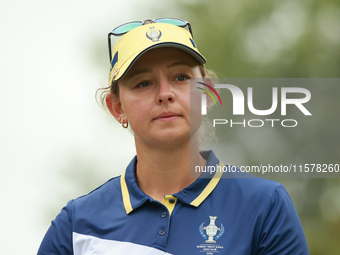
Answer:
(211, 216)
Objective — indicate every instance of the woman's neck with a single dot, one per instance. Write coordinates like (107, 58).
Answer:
(164, 171)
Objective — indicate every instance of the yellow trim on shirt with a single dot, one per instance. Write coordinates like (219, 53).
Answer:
(168, 205)
(125, 194)
(209, 188)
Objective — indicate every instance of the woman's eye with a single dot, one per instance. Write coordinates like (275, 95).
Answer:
(144, 84)
(181, 77)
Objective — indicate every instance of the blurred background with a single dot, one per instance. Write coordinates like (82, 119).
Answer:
(57, 144)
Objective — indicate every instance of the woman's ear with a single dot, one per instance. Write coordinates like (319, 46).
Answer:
(115, 107)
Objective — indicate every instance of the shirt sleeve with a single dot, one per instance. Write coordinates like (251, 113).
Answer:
(282, 232)
(58, 239)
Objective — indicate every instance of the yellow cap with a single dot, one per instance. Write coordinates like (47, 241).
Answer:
(141, 39)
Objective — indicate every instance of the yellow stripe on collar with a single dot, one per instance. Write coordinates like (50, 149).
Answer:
(209, 188)
(125, 194)
(169, 201)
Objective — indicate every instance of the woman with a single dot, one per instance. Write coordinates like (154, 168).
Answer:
(156, 207)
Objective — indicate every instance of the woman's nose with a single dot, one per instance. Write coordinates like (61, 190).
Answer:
(165, 93)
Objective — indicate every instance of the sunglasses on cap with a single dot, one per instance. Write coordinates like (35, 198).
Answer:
(123, 29)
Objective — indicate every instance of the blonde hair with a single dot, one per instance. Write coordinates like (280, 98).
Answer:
(206, 132)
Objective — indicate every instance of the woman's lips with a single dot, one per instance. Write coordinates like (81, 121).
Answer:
(167, 116)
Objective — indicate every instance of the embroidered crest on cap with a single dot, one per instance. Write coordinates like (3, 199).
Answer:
(154, 35)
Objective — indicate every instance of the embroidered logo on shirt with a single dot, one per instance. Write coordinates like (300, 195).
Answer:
(211, 233)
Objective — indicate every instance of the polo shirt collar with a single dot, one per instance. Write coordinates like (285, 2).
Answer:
(194, 194)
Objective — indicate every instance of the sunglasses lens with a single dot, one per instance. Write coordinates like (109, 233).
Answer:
(176, 22)
(127, 27)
